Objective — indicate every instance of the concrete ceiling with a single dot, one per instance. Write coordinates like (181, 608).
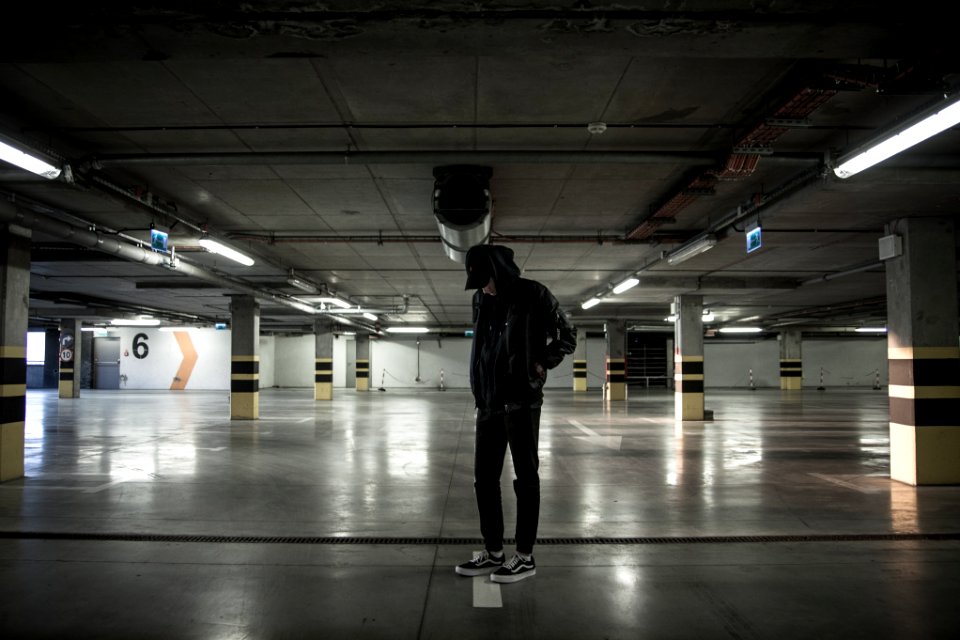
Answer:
(265, 124)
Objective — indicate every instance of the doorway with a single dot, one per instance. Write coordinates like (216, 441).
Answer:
(106, 363)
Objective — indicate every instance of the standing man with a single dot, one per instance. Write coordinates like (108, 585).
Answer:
(519, 332)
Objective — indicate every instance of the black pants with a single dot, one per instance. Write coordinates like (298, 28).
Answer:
(520, 429)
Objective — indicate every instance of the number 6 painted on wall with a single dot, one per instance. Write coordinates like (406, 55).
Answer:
(140, 347)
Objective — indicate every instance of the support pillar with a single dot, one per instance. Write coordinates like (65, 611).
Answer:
(70, 345)
(616, 360)
(688, 358)
(323, 373)
(580, 362)
(923, 353)
(363, 363)
(244, 358)
(14, 296)
(791, 366)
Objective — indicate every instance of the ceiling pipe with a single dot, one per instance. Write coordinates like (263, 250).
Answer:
(12, 214)
(846, 272)
(427, 157)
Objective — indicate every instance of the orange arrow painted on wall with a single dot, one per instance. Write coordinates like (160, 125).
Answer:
(186, 365)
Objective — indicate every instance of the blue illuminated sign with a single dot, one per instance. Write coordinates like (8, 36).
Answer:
(753, 239)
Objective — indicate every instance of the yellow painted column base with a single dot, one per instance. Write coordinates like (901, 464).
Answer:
(924, 455)
(616, 391)
(323, 391)
(363, 384)
(11, 451)
(244, 405)
(791, 383)
(579, 384)
(688, 406)
(65, 389)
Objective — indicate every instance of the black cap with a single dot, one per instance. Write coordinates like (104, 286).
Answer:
(479, 269)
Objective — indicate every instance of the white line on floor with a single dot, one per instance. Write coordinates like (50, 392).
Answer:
(611, 442)
(486, 594)
(844, 483)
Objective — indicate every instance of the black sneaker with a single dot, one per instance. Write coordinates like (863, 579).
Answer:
(481, 564)
(515, 570)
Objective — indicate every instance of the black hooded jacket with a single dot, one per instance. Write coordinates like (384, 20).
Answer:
(519, 333)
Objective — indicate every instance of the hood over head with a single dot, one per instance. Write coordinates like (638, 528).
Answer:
(485, 261)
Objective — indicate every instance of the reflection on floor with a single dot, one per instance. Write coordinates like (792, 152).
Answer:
(152, 515)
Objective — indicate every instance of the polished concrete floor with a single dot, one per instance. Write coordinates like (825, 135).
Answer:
(152, 515)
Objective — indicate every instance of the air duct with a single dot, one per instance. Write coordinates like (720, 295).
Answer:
(462, 206)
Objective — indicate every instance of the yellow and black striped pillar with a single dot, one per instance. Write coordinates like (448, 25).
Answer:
(925, 415)
(579, 375)
(791, 352)
(244, 358)
(14, 293)
(616, 379)
(363, 363)
(13, 390)
(323, 382)
(791, 373)
(580, 362)
(244, 387)
(616, 360)
(688, 378)
(323, 368)
(922, 353)
(688, 387)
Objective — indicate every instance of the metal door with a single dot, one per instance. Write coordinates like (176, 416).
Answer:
(106, 363)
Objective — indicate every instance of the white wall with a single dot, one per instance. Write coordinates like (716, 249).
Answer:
(288, 361)
(157, 369)
(295, 361)
(398, 357)
(729, 364)
(846, 362)
(267, 349)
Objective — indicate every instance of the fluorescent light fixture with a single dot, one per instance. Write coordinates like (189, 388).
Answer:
(135, 322)
(589, 304)
(184, 328)
(301, 284)
(370, 316)
(670, 318)
(335, 301)
(871, 329)
(691, 249)
(741, 330)
(28, 161)
(408, 330)
(626, 285)
(219, 248)
(913, 132)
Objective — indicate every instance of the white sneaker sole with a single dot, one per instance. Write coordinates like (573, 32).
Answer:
(472, 573)
(517, 577)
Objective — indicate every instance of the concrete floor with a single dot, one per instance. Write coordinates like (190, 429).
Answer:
(152, 515)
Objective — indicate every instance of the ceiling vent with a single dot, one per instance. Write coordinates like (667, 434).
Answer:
(462, 206)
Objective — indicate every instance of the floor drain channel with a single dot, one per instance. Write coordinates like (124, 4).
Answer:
(359, 540)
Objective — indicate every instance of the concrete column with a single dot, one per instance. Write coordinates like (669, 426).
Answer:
(70, 347)
(14, 297)
(791, 365)
(244, 358)
(580, 362)
(923, 353)
(323, 381)
(363, 362)
(616, 360)
(688, 358)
